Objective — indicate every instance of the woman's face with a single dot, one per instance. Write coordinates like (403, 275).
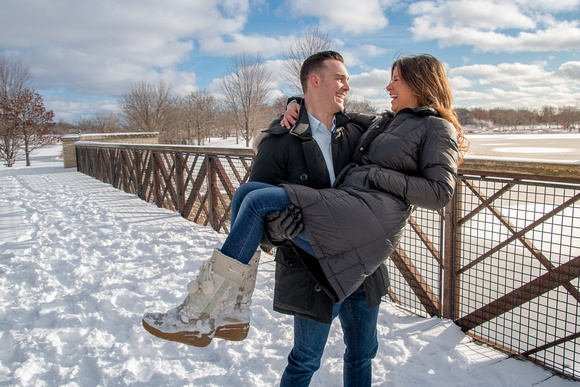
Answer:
(401, 94)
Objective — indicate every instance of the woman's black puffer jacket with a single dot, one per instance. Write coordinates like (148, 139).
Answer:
(403, 160)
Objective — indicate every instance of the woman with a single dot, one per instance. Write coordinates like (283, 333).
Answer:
(408, 157)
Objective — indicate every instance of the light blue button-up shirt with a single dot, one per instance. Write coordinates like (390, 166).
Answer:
(323, 138)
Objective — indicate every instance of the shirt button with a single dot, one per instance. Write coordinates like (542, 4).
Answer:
(289, 263)
(361, 149)
(303, 177)
(317, 288)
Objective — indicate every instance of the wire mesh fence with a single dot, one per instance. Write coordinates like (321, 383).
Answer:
(416, 267)
(517, 264)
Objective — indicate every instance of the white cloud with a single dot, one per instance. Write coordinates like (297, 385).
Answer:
(569, 70)
(370, 84)
(516, 85)
(506, 26)
(550, 5)
(460, 82)
(533, 98)
(464, 97)
(486, 15)
(65, 108)
(351, 59)
(102, 46)
(275, 67)
(345, 15)
(239, 44)
(505, 74)
(512, 85)
(373, 51)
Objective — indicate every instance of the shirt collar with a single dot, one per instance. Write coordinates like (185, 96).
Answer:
(317, 125)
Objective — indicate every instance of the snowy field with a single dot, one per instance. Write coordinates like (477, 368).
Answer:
(81, 261)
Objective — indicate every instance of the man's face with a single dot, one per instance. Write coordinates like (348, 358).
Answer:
(333, 85)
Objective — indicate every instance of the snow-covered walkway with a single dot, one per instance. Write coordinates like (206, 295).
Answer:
(81, 261)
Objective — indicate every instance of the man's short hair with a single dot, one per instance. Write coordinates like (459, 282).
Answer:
(315, 63)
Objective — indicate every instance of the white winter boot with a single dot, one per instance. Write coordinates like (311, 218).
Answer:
(235, 323)
(218, 304)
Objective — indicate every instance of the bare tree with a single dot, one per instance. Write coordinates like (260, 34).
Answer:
(225, 121)
(510, 119)
(62, 128)
(150, 107)
(106, 122)
(9, 142)
(364, 106)
(312, 42)
(279, 106)
(83, 125)
(548, 113)
(569, 117)
(200, 109)
(245, 90)
(14, 76)
(30, 121)
(23, 118)
(100, 122)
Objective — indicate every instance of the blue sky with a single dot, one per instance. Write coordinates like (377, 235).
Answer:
(499, 53)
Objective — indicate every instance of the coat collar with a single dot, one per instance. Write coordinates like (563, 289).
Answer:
(420, 111)
(301, 128)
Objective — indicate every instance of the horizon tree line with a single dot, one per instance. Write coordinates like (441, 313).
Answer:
(505, 119)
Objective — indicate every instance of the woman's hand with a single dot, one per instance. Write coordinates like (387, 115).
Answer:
(291, 115)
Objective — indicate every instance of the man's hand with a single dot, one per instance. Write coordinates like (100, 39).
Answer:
(282, 226)
(291, 114)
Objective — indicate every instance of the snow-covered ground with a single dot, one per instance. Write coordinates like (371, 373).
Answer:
(81, 261)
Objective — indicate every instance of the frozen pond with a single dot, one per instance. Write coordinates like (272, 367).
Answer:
(553, 147)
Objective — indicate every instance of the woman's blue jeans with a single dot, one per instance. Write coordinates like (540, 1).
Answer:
(250, 204)
(359, 326)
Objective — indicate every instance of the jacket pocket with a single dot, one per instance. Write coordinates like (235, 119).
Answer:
(294, 287)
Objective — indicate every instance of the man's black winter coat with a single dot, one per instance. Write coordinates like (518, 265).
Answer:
(284, 156)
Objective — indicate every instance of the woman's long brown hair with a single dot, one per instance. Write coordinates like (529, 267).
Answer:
(427, 79)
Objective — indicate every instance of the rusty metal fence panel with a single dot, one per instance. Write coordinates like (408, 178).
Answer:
(502, 260)
(197, 182)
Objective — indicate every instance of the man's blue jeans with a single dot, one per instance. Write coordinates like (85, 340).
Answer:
(250, 204)
(359, 326)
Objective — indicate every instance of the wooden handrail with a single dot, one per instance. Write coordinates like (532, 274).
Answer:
(245, 152)
(526, 170)
(472, 165)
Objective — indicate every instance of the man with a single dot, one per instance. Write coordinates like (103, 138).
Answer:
(320, 144)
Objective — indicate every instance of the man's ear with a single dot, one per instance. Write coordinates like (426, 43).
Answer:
(314, 80)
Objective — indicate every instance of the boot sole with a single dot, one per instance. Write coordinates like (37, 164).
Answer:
(231, 332)
(195, 339)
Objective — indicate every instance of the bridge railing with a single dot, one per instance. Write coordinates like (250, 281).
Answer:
(502, 260)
